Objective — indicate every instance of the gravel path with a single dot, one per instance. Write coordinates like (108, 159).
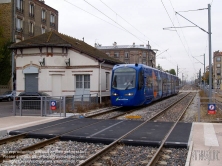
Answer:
(173, 157)
(150, 111)
(58, 154)
(127, 155)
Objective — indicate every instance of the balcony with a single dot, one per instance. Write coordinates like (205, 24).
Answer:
(31, 34)
(19, 30)
(31, 15)
(19, 10)
(43, 20)
(52, 24)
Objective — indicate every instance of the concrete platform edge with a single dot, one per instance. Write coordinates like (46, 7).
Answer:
(189, 154)
(3, 133)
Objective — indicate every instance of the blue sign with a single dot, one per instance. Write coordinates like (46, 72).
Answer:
(53, 105)
(211, 108)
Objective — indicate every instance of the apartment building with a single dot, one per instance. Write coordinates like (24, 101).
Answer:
(217, 65)
(23, 19)
(142, 54)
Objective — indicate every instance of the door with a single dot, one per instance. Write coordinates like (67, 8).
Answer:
(31, 82)
(56, 85)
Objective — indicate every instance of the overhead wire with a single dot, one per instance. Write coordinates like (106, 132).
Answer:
(185, 38)
(171, 22)
(177, 31)
(114, 21)
(193, 10)
(93, 15)
(127, 22)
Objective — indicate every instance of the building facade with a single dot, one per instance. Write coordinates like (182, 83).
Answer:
(23, 19)
(130, 53)
(217, 69)
(61, 65)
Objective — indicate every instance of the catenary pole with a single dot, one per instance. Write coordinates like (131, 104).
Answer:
(210, 63)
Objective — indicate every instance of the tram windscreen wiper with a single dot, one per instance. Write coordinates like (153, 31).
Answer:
(130, 84)
(127, 87)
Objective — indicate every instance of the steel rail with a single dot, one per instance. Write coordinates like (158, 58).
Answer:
(115, 116)
(54, 139)
(153, 161)
(101, 112)
(168, 107)
(93, 158)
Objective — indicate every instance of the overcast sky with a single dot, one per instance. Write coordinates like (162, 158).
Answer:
(140, 21)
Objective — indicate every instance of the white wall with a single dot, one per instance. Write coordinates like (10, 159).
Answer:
(55, 65)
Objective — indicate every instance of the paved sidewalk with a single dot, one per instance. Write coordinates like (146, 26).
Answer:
(16, 122)
(207, 144)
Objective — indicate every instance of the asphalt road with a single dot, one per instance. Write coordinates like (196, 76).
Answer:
(6, 108)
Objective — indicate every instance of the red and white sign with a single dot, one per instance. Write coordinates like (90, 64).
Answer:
(211, 108)
(53, 105)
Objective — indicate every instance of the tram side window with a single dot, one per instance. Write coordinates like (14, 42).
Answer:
(177, 82)
(140, 80)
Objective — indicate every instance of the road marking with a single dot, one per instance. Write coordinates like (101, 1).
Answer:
(105, 129)
(210, 137)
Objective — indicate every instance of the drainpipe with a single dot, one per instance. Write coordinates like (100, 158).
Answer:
(100, 80)
(13, 40)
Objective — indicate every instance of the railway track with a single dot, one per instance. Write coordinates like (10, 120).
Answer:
(87, 160)
(120, 113)
(101, 159)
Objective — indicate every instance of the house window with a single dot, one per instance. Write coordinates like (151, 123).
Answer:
(218, 59)
(83, 81)
(64, 50)
(78, 81)
(31, 10)
(218, 65)
(126, 55)
(31, 28)
(144, 62)
(86, 81)
(108, 53)
(116, 55)
(218, 71)
(43, 30)
(19, 24)
(19, 6)
(43, 16)
(52, 20)
(144, 54)
(107, 81)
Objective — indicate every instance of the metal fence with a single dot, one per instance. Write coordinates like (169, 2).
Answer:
(51, 105)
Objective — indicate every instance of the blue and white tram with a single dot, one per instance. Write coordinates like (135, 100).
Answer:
(145, 85)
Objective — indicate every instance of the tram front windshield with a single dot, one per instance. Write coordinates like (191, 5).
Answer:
(124, 78)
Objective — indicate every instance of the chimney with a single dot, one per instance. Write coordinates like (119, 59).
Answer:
(115, 44)
(133, 44)
(42, 1)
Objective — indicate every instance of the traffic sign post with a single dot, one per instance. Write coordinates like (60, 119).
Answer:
(53, 105)
(211, 108)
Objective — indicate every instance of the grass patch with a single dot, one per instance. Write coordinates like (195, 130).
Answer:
(79, 108)
(204, 116)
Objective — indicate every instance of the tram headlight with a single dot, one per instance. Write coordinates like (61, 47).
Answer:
(129, 94)
(115, 94)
